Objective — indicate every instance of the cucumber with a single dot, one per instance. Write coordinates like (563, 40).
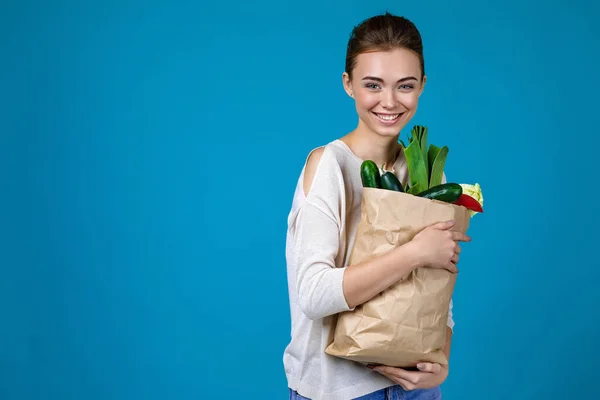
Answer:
(369, 174)
(390, 182)
(448, 192)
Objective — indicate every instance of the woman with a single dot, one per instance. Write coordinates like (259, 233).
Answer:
(385, 76)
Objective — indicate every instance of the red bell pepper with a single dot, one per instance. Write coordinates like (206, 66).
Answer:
(469, 202)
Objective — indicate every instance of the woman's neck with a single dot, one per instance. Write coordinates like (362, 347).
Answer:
(370, 146)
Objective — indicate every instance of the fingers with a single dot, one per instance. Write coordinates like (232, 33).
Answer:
(385, 370)
(455, 257)
(399, 373)
(444, 225)
(460, 237)
(451, 267)
(429, 367)
(410, 380)
(457, 248)
(406, 385)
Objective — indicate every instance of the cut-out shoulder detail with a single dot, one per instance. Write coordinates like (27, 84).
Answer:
(312, 163)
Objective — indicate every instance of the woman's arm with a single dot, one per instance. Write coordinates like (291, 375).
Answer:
(366, 280)
(433, 247)
(322, 288)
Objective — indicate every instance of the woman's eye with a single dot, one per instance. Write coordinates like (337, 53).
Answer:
(372, 86)
(406, 87)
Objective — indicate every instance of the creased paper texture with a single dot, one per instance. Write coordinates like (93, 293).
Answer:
(406, 323)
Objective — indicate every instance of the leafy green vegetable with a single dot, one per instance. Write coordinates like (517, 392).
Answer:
(415, 189)
(431, 155)
(417, 171)
(438, 167)
(415, 135)
(425, 161)
(423, 143)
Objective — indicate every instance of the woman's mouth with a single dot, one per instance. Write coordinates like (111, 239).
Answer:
(388, 119)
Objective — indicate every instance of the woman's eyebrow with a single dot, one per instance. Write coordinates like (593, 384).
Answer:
(374, 78)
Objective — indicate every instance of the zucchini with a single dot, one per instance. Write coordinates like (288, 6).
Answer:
(390, 182)
(369, 174)
(448, 192)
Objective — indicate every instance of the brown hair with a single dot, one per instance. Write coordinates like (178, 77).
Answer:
(382, 33)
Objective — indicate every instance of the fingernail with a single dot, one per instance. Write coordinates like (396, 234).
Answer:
(421, 366)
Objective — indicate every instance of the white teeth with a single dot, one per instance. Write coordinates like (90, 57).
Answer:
(387, 117)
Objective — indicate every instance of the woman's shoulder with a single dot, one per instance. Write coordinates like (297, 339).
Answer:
(334, 154)
(324, 164)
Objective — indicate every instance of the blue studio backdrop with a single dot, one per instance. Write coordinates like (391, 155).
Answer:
(149, 153)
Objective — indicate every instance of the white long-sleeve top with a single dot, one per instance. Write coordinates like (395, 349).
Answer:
(321, 230)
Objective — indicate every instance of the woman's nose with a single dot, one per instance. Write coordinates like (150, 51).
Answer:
(388, 99)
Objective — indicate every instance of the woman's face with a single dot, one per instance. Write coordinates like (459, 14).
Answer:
(386, 86)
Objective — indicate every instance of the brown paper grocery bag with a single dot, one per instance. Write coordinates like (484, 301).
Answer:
(406, 323)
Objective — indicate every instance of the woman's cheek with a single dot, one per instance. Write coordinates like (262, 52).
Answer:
(369, 100)
(412, 100)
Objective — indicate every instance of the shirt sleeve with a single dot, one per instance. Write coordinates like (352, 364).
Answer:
(317, 241)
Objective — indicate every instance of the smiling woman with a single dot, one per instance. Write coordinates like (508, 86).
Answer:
(385, 75)
(386, 98)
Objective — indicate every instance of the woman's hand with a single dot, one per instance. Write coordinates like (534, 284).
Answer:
(428, 376)
(438, 245)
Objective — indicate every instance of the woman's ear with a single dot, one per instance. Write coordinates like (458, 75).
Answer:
(347, 84)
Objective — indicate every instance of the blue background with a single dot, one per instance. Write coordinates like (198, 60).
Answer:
(149, 153)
